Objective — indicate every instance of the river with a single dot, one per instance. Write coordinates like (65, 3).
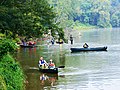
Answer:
(83, 70)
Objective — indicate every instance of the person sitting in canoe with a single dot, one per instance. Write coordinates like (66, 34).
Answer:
(24, 43)
(31, 43)
(85, 45)
(51, 64)
(42, 63)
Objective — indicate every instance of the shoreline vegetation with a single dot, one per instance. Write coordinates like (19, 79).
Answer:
(84, 27)
(11, 73)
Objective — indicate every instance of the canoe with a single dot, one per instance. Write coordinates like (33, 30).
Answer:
(54, 71)
(28, 46)
(59, 42)
(88, 49)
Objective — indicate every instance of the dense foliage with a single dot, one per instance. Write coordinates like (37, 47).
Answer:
(100, 13)
(6, 46)
(30, 18)
(11, 75)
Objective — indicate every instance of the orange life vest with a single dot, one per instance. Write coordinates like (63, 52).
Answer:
(51, 64)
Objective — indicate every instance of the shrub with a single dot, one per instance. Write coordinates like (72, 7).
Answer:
(11, 73)
(6, 46)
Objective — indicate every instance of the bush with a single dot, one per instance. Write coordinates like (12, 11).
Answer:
(11, 73)
(6, 46)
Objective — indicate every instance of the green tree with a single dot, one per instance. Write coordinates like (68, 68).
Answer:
(93, 12)
(115, 13)
(31, 18)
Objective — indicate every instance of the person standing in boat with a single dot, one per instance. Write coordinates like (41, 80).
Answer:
(42, 63)
(51, 64)
(85, 45)
(71, 39)
(52, 41)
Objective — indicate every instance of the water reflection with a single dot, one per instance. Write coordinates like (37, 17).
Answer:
(83, 71)
(39, 81)
(62, 58)
(48, 79)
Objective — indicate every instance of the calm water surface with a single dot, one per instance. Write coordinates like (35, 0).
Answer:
(83, 71)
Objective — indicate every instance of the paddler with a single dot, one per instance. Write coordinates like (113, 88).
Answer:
(51, 64)
(42, 63)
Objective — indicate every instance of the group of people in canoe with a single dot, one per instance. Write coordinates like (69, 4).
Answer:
(44, 65)
(28, 43)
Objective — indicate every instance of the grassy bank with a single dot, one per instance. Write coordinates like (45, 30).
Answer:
(11, 74)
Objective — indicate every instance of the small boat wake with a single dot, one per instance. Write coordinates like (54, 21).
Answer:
(76, 71)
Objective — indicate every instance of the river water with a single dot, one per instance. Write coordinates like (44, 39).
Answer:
(83, 70)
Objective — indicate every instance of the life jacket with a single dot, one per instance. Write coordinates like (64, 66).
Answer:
(41, 62)
(51, 64)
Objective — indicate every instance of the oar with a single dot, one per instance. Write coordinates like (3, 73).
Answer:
(61, 67)
(33, 68)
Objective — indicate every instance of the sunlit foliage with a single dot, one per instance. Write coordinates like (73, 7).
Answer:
(100, 13)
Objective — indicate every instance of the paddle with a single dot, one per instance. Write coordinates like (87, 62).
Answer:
(61, 67)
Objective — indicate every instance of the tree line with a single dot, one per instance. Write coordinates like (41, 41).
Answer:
(100, 13)
(34, 18)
